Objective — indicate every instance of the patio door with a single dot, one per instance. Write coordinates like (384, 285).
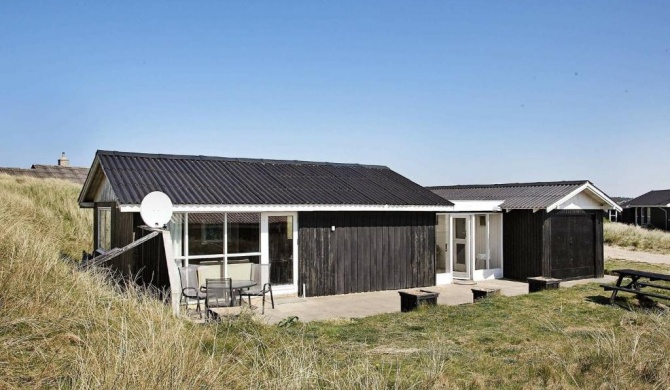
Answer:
(460, 247)
(280, 233)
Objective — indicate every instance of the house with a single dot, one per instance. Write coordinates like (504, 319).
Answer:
(522, 230)
(329, 228)
(650, 210)
(325, 228)
(61, 171)
(615, 215)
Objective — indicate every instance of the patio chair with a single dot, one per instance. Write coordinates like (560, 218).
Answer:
(260, 273)
(218, 293)
(190, 289)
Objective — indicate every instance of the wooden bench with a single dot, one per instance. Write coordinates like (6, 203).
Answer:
(635, 285)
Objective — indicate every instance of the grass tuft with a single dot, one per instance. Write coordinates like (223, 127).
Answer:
(636, 238)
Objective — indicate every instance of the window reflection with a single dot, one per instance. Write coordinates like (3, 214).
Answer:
(205, 234)
(244, 232)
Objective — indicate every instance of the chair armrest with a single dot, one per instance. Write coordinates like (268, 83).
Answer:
(183, 290)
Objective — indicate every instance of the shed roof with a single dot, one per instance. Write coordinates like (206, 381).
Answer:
(73, 174)
(538, 195)
(659, 198)
(202, 180)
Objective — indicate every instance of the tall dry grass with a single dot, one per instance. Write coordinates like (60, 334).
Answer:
(637, 238)
(62, 327)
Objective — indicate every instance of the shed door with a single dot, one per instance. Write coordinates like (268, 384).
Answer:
(573, 250)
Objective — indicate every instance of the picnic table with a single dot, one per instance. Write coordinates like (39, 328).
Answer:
(638, 281)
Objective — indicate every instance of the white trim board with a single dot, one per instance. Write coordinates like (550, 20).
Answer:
(476, 205)
(135, 208)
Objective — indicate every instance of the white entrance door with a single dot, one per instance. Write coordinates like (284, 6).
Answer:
(279, 248)
(460, 226)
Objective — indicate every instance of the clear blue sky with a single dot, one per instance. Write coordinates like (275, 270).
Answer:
(443, 92)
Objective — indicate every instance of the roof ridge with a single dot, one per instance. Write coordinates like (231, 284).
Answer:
(500, 185)
(233, 159)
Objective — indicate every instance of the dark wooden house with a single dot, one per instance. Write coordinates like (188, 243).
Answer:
(325, 228)
(552, 229)
(649, 210)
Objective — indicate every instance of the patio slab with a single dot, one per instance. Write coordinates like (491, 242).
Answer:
(367, 304)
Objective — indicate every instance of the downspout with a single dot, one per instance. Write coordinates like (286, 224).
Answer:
(666, 217)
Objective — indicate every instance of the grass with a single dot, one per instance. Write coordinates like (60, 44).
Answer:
(62, 327)
(612, 264)
(636, 238)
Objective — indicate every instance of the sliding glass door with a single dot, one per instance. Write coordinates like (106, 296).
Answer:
(279, 242)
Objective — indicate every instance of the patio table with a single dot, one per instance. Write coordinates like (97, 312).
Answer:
(237, 285)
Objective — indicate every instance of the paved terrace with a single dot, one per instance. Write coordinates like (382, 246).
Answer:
(367, 304)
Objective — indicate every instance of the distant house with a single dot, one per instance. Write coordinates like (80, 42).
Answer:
(61, 171)
(649, 210)
(522, 230)
(615, 215)
(325, 228)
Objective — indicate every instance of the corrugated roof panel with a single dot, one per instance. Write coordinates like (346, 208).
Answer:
(214, 180)
(515, 195)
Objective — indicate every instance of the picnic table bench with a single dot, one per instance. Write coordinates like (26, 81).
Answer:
(635, 285)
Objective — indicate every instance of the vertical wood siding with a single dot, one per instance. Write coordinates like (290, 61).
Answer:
(659, 217)
(576, 244)
(150, 267)
(121, 235)
(368, 251)
(565, 244)
(523, 243)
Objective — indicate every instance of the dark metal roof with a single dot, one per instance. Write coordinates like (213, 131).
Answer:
(621, 200)
(231, 181)
(651, 198)
(73, 174)
(515, 195)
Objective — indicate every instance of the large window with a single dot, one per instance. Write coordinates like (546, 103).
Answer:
(200, 238)
(104, 228)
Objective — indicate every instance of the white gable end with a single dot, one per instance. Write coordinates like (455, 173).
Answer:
(582, 201)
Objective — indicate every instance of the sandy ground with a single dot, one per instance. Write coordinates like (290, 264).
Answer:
(625, 254)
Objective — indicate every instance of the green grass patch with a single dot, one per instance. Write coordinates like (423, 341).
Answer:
(612, 264)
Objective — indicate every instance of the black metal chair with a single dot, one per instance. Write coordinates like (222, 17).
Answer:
(189, 287)
(259, 274)
(218, 293)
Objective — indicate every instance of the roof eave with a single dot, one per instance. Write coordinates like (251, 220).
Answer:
(220, 208)
(591, 188)
(87, 184)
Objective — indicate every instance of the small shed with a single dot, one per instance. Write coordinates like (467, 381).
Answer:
(552, 229)
(649, 210)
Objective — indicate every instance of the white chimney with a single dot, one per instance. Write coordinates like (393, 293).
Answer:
(63, 161)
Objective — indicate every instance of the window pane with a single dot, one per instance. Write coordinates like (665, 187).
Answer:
(104, 228)
(459, 226)
(244, 232)
(205, 234)
(441, 250)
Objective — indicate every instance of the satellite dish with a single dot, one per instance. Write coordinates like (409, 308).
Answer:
(156, 209)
